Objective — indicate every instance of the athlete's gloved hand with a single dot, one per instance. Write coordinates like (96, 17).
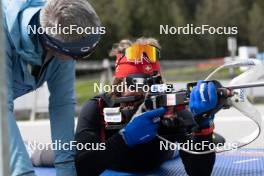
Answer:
(142, 128)
(203, 98)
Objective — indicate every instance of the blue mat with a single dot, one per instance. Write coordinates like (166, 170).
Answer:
(241, 162)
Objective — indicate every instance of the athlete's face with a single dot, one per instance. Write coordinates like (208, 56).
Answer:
(135, 104)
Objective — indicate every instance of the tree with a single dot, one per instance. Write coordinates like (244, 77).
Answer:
(135, 18)
(256, 25)
(114, 15)
(223, 13)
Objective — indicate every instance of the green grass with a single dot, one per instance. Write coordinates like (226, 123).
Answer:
(85, 90)
(193, 73)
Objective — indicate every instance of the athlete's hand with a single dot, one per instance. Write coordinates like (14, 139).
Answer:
(203, 99)
(142, 128)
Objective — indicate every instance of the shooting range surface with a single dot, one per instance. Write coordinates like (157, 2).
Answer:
(240, 162)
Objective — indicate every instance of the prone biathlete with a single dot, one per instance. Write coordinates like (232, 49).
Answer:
(133, 146)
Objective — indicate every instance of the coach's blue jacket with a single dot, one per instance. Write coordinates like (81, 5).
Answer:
(23, 53)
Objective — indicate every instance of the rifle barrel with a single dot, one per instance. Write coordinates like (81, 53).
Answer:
(249, 85)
